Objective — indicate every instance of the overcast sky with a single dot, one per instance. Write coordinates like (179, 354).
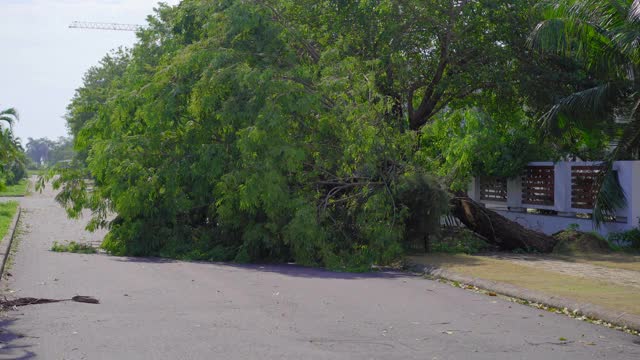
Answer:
(42, 61)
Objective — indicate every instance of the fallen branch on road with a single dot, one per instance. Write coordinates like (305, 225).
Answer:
(7, 304)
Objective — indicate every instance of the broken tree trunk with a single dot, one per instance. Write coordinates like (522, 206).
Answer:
(498, 230)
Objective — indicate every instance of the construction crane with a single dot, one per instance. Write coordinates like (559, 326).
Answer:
(105, 26)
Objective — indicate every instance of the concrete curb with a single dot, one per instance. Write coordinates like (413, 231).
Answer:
(5, 245)
(589, 310)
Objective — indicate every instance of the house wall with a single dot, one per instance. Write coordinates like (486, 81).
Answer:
(514, 209)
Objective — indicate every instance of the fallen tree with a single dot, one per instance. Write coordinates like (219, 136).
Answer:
(285, 131)
(498, 230)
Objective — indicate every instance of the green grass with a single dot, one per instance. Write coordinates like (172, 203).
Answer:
(36, 172)
(73, 247)
(458, 242)
(19, 189)
(618, 260)
(7, 211)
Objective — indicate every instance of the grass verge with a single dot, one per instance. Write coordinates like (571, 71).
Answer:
(7, 212)
(19, 232)
(613, 261)
(36, 172)
(19, 189)
(73, 247)
(606, 295)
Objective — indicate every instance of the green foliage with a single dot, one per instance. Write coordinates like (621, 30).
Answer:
(284, 130)
(73, 247)
(15, 171)
(12, 159)
(626, 239)
(19, 189)
(420, 194)
(459, 242)
(577, 242)
(495, 132)
(219, 137)
(7, 212)
(35, 172)
(461, 144)
(602, 36)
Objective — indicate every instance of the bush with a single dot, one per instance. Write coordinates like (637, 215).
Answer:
(577, 242)
(14, 171)
(460, 241)
(18, 172)
(630, 239)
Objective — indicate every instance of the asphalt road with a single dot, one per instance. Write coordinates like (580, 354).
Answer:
(153, 309)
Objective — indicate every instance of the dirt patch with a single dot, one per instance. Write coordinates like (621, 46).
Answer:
(575, 242)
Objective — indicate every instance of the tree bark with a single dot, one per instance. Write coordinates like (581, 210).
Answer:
(499, 231)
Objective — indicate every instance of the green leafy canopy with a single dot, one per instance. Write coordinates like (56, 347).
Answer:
(287, 130)
(220, 136)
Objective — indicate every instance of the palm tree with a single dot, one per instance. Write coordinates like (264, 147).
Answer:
(603, 36)
(10, 116)
(11, 151)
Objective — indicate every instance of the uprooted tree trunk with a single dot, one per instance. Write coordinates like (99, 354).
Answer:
(498, 230)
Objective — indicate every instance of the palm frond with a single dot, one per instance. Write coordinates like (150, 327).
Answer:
(610, 197)
(10, 116)
(604, 36)
(586, 107)
(10, 111)
(630, 140)
(593, 32)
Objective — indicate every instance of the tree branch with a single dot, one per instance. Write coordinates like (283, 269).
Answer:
(431, 97)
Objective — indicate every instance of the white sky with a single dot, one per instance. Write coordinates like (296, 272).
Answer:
(42, 61)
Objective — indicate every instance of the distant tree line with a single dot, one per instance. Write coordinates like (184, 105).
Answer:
(44, 152)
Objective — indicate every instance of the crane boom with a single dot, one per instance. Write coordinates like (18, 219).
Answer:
(105, 26)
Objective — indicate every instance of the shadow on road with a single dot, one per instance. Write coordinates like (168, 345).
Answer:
(286, 269)
(307, 272)
(8, 348)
